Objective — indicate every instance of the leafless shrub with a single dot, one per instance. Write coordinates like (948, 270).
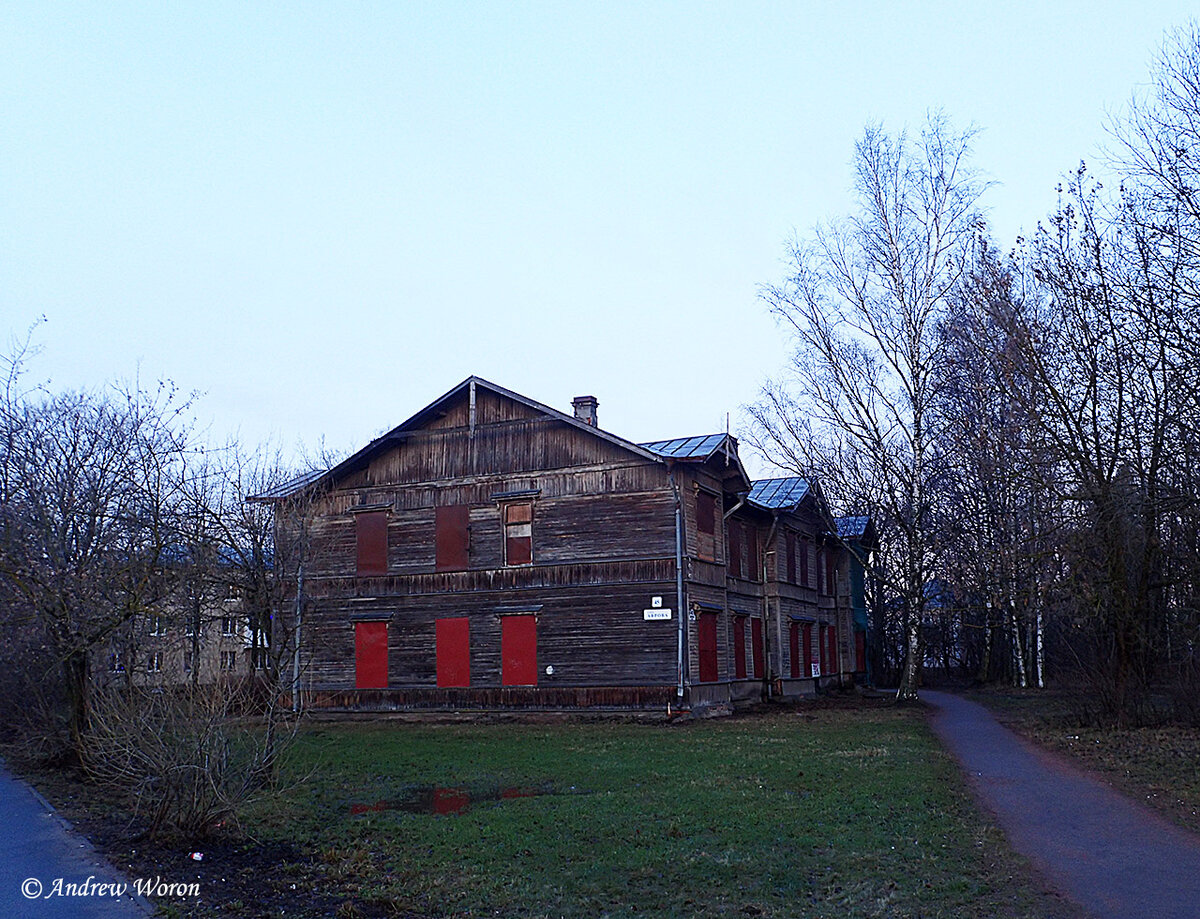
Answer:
(181, 756)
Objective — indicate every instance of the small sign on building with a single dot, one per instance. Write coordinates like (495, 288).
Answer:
(655, 615)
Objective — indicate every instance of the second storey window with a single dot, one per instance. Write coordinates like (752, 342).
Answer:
(518, 534)
(706, 526)
(735, 549)
(452, 537)
(370, 531)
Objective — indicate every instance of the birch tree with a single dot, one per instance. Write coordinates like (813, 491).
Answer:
(862, 302)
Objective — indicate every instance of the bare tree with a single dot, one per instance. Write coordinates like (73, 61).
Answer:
(863, 304)
(88, 518)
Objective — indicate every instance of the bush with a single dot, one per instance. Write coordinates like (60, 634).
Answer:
(180, 756)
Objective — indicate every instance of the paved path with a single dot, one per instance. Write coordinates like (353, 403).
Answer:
(1115, 858)
(37, 848)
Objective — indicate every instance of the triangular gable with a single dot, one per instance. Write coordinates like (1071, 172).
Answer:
(440, 406)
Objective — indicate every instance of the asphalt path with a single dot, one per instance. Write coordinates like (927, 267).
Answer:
(1115, 858)
(48, 871)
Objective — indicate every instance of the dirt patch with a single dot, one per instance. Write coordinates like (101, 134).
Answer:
(237, 876)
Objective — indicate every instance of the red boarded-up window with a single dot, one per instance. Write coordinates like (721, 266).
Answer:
(370, 532)
(808, 651)
(370, 655)
(834, 664)
(794, 649)
(451, 537)
(706, 526)
(453, 652)
(708, 648)
(803, 562)
(860, 651)
(791, 557)
(518, 651)
(756, 640)
(735, 549)
(739, 647)
(752, 571)
(518, 534)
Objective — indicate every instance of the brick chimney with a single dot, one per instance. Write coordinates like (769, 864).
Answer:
(585, 409)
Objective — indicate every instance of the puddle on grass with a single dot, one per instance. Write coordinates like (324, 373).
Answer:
(433, 799)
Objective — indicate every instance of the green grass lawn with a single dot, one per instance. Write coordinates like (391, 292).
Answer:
(1159, 766)
(840, 811)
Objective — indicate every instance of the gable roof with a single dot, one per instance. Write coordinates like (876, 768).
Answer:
(779, 494)
(851, 527)
(700, 447)
(433, 410)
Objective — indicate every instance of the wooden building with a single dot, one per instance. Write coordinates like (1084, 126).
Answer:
(492, 551)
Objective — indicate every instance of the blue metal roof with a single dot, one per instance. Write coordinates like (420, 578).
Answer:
(699, 447)
(774, 494)
(851, 527)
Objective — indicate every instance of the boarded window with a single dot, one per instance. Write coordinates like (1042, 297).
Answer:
(452, 537)
(735, 549)
(370, 655)
(370, 530)
(706, 526)
(791, 557)
(810, 663)
(803, 562)
(518, 534)
(756, 641)
(518, 651)
(821, 571)
(794, 649)
(453, 652)
(739, 647)
(860, 651)
(834, 664)
(708, 648)
(752, 571)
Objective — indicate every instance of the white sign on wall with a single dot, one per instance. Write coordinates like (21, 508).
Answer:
(652, 615)
(816, 670)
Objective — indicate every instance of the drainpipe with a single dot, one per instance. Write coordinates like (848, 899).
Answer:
(679, 611)
(767, 550)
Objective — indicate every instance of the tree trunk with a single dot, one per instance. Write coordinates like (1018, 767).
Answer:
(910, 678)
(76, 678)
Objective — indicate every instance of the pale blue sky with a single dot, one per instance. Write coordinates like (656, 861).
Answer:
(325, 215)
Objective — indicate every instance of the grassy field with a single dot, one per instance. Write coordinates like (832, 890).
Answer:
(843, 811)
(1159, 766)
